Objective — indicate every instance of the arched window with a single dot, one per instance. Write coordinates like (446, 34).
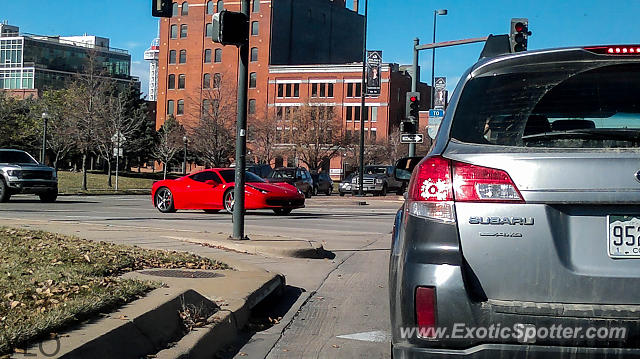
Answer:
(220, 6)
(183, 31)
(217, 79)
(172, 82)
(170, 105)
(256, 5)
(206, 81)
(218, 56)
(172, 56)
(255, 28)
(174, 31)
(185, 8)
(254, 54)
(175, 9)
(180, 107)
(208, 30)
(181, 81)
(207, 56)
(183, 56)
(209, 7)
(253, 79)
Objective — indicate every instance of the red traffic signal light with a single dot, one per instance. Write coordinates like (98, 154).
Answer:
(413, 99)
(519, 27)
(519, 34)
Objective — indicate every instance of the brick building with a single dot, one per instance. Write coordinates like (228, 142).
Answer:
(283, 32)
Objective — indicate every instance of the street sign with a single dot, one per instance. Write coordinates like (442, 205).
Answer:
(433, 126)
(440, 82)
(118, 152)
(411, 138)
(115, 139)
(436, 114)
(374, 63)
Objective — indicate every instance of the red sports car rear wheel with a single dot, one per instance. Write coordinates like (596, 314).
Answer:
(164, 200)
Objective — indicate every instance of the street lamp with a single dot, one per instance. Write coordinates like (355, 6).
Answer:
(45, 119)
(184, 160)
(433, 52)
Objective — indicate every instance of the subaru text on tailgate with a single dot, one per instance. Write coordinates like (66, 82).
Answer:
(519, 237)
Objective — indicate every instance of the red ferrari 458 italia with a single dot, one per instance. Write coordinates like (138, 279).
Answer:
(212, 190)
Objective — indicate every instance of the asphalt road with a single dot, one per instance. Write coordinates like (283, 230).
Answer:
(332, 308)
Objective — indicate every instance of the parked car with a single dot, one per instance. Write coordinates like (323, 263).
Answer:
(262, 171)
(21, 173)
(378, 180)
(212, 190)
(525, 215)
(322, 183)
(345, 186)
(297, 176)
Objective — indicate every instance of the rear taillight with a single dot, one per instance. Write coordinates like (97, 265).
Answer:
(426, 311)
(615, 50)
(438, 182)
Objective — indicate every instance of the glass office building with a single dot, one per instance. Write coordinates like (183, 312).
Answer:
(31, 62)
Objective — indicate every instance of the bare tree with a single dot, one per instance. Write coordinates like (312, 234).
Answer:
(393, 148)
(60, 140)
(169, 142)
(316, 134)
(87, 104)
(213, 136)
(263, 138)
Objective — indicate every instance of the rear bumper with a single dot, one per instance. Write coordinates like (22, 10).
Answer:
(492, 351)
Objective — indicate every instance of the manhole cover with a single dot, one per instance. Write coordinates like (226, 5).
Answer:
(177, 273)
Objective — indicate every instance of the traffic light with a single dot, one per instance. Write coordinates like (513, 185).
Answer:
(407, 126)
(413, 105)
(519, 34)
(230, 28)
(161, 8)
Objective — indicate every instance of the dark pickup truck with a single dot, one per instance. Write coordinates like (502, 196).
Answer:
(378, 180)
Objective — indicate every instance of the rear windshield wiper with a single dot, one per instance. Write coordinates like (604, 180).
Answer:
(589, 133)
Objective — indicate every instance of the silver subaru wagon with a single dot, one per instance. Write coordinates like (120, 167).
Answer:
(520, 233)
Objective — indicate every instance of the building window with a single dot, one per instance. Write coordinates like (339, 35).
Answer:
(330, 90)
(353, 89)
(254, 54)
(181, 81)
(174, 31)
(172, 82)
(208, 29)
(172, 56)
(207, 56)
(296, 90)
(175, 9)
(314, 90)
(185, 8)
(252, 106)
(206, 105)
(374, 114)
(218, 55)
(170, 107)
(323, 90)
(349, 113)
(220, 5)
(217, 79)
(356, 114)
(358, 89)
(288, 92)
(183, 31)
(255, 28)
(209, 7)
(280, 90)
(256, 5)
(373, 134)
(253, 79)
(206, 81)
(183, 56)
(180, 110)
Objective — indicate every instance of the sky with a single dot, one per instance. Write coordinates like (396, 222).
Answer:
(393, 24)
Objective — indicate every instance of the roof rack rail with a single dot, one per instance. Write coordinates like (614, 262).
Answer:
(496, 45)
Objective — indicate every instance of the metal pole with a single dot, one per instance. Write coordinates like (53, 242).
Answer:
(363, 108)
(241, 135)
(117, 153)
(414, 88)
(433, 59)
(45, 117)
(184, 158)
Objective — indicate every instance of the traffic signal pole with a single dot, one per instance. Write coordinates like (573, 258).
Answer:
(363, 109)
(414, 88)
(241, 133)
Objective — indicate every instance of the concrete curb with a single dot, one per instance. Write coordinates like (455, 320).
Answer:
(148, 325)
(295, 248)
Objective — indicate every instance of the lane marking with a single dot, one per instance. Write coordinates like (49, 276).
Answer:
(378, 336)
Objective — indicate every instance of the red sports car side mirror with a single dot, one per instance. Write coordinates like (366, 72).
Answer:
(211, 183)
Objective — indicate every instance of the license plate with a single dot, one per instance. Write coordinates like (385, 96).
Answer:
(624, 236)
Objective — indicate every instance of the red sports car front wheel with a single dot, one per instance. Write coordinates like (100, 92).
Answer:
(164, 200)
(229, 200)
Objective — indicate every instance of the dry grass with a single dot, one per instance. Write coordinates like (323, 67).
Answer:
(48, 281)
(71, 182)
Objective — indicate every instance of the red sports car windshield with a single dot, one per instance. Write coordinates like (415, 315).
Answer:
(229, 176)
